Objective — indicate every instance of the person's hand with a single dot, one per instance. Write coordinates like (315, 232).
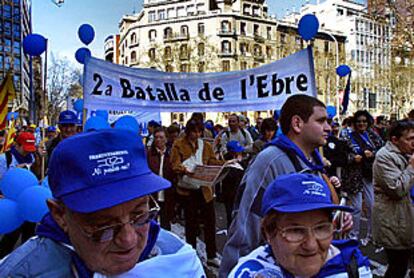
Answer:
(348, 222)
(411, 160)
(335, 181)
(358, 158)
(368, 153)
(326, 162)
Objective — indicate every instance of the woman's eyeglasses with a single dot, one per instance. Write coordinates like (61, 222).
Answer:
(299, 233)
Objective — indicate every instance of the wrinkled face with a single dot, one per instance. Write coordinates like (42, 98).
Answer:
(361, 124)
(304, 258)
(67, 130)
(233, 123)
(406, 142)
(117, 255)
(316, 130)
(160, 139)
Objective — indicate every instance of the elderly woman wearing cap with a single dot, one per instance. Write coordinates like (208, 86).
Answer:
(297, 225)
(101, 220)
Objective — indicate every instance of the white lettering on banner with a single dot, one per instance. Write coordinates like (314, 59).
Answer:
(114, 87)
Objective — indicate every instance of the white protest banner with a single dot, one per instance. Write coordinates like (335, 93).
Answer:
(109, 86)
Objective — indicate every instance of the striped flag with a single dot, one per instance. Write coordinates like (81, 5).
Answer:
(11, 134)
(7, 93)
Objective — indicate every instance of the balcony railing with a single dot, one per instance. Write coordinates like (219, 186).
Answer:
(176, 37)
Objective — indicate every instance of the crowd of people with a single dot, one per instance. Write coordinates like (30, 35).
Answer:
(111, 188)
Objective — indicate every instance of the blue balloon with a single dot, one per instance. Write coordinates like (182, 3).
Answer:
(32, 203)
(78, 105)
(103, 114)
(331, 111)
(86, 33)
(95, 123)
(127, 122)
(34, 44)
(15, 181)
(81, 55)
(343, 70)
(9, 216)
(308, 26)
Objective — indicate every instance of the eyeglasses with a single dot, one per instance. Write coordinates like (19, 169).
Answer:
(299, 233)
(108, 233)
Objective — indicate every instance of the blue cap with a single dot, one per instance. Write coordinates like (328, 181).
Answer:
(95, 123)
(51, 128)
(154, 123)
(98, 170)
(298, 193)
(234, 146)
(67, 117)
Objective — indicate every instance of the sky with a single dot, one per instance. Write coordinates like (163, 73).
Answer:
(60, 24)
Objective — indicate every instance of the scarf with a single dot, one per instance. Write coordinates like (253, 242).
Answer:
(365, 139)
(286, 145)
(28, 159)
(50, 229)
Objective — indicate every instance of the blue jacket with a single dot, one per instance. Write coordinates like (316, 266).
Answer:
(50, 255)
(261, 261)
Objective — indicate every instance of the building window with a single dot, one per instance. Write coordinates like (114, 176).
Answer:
(167, 52)
(168, 33)
(183, 52)
(243, 48)
(256, 11)
(256, 30)
(184, 68)
(225, 26)
(201, 29)
(169, 68)
(257, 50)
(133, 38)
(133, 57)
(269, 32)
(246, 9)
(269, 52)
(171, 13)
(340, 12)
(201, 49)
(326, 48)
(243, 28)
(201, 66)
(151, 16)
(152, 35)
(126, 60)
(226, 47)
(225, 66)
(181, 12)
(282, 38)
(184, 31)
(243, 65)
(161, 15)
(151, 54)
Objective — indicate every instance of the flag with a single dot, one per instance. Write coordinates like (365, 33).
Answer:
(11, 133)
(345, 100)
(7, 93)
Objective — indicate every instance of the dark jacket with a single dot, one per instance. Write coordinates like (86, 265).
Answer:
(154, 160)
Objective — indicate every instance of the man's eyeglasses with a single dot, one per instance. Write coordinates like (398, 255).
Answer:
(299, 233)
(107, 233)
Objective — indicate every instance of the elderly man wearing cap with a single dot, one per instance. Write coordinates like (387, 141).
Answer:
(67, 126)
(101, 220)
(297, 225)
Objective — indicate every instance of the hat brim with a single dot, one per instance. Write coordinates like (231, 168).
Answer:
(237, 150)
(29, 148)
(308, 207)
(105, 196)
